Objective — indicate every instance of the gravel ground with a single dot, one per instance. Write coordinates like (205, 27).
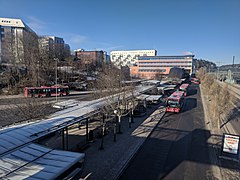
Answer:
(14, 109)
(15, 115)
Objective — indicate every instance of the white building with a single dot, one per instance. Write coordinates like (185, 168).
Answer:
(128, 58)
(18, 42)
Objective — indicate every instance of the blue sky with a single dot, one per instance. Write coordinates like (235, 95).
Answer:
(208, 28)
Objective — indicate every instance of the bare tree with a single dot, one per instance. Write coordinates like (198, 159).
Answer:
(224, 103)
(219, 99)
(201, 73)
(21, 54)
(10, 57)
(117, 96)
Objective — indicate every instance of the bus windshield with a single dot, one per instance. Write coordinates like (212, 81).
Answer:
(173, 103)
(183, 89)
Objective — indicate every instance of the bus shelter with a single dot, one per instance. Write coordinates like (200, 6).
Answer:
(34, 161)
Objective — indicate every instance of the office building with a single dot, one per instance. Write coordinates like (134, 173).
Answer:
(150, 67)
(129, 58)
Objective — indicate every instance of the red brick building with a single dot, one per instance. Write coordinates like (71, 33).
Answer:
(89, 57)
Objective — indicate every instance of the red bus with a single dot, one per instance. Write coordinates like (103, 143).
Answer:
(46, 91)
(195, 81)
(184, 89)
(175, 102)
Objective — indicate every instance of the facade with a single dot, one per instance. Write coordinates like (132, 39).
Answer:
(58, 47)
(53, 47)
(67, 50)
(151, 67)
(46, 47)
(89, 57)
(129, 58)
(106, 58)
(18, 42)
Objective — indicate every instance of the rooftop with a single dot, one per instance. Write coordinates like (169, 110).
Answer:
(18, 23)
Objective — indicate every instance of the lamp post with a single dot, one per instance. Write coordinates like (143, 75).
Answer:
(132, 109)
(103, 129)
(37, 73)
(130, 114)
(115, 126)
(121, 107)
(56, 60)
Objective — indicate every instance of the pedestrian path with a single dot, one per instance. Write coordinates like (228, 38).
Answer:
(113, 159)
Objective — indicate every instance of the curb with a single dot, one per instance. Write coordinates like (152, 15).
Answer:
(137, 149)
(216, 171)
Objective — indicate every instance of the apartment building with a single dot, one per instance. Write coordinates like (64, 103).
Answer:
(150, 67)
(129, 58)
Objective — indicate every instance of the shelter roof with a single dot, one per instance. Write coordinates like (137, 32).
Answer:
(37, 162)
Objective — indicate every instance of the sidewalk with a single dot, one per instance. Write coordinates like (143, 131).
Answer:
(113, 159)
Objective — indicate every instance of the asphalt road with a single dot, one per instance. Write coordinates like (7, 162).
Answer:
(21, 100)
(177, 148)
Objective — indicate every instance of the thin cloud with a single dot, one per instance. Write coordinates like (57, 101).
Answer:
(110, 48)
(77, 39)
(36, 24)
(106, 46)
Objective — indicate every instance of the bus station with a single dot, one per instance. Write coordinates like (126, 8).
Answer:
(22, 156)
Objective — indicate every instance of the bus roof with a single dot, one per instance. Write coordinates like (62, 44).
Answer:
(176, 95)
(184, 86)
(45, 87)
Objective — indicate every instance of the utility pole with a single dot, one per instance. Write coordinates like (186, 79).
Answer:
(218, 65)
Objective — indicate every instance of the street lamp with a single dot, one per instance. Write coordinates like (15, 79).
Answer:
(103, 129)
(38, 73)
(56, 61)
(121, 108)
(115, 126)
(130, 114)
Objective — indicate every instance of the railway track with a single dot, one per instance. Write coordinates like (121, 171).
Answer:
(234, 89)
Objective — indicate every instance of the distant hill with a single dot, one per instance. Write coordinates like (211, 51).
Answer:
(204, 63)
(233, 68)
